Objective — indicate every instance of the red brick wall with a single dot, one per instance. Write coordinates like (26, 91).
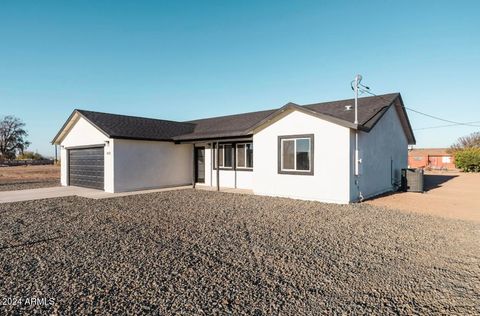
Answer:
(435, 160)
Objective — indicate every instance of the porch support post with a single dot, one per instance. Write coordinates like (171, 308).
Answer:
(194, 166)
(218, 168)
(234, 148)
(212, 159)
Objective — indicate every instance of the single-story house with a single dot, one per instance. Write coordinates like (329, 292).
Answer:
(431, 158)
(297, 151)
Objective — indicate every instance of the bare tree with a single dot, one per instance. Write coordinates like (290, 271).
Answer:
(469, 141)
(12, 137)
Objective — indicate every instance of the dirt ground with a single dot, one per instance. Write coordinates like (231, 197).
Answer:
(448, 194)
(29, 177)
(46, 172)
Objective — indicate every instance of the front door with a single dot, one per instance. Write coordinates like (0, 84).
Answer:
(200, 164)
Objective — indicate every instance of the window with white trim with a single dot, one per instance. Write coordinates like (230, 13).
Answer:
(225, 156)
(245, 156)
(295, 154)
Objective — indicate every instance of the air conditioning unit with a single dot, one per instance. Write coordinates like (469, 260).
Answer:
(412, 180)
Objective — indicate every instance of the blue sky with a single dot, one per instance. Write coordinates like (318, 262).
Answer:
(182, 60)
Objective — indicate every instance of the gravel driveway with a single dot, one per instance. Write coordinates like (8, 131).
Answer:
(200, 252)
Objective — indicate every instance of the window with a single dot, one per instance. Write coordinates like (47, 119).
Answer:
(225, 156)
(295, 154)
(245, 155)
(446, 159)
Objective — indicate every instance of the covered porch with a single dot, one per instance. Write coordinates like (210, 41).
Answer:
(223, 164)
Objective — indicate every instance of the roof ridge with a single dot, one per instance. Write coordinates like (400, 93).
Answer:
(353, 99)
(229, 115)
(302, 105)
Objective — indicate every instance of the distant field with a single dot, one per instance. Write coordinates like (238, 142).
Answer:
(29, 177)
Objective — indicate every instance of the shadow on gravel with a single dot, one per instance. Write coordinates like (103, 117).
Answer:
(29, 243)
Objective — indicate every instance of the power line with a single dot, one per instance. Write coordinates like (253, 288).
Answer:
(425, 114)
(440, 126)
(440, 119)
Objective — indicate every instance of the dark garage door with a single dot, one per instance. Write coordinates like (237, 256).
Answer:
(86, 167)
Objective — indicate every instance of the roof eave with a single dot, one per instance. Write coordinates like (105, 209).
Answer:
(212, 137)
(293, 106)
(56, 141)
(144, 138)
(412, 141)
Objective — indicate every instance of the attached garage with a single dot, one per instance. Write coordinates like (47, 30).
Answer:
(117, 153)
(86, 167)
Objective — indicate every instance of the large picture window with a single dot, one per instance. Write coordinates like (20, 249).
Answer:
(295, 154)
(225, 156)
(245, 155)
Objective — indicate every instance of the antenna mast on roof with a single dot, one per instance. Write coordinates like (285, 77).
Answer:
(357, 80)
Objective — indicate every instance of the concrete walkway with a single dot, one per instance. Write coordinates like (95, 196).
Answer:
(222, 189)
(54, 192)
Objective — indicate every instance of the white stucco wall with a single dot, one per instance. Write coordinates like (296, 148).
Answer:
(228, 178)
(150, 164)
(386, 142)
(84, 134)
(331, 179)
(245, 179)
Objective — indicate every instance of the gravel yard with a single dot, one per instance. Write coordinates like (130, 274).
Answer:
(200, 252)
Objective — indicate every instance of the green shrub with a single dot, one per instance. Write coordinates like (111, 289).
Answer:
(468, 159)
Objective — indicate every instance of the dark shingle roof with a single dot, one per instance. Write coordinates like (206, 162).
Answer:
(370, 110)
(225, 126)
(241, 124)
(132, 127)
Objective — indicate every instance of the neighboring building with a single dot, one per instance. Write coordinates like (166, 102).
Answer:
(304, 152)
(431, 158)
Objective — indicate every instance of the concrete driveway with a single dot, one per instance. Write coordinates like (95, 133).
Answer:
(54, 192)
(42, 193)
